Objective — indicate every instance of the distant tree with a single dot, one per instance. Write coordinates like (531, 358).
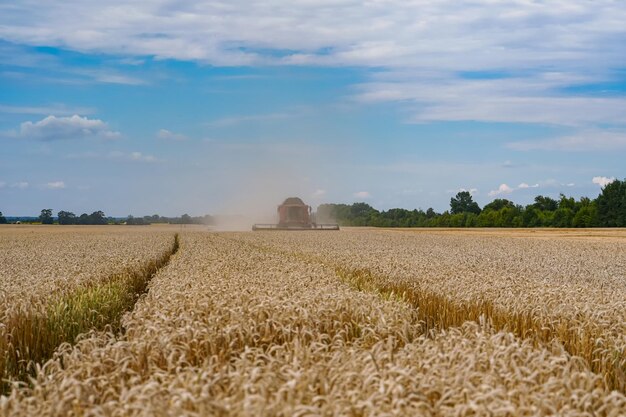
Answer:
(611, 205)
(563, 217)
(97, 218)
(488, 218)
(499, 204)
(586, 216)
(430, 213)
(46, 216)
(463, 203)
(3, 220)
(567, 203)
(185, 219)
(532, 217)
(135, 221)
(84, 219)
(67, 217)
(545, 203)
(361, 210)
(457, 220)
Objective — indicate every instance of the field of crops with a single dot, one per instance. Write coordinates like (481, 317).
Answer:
(57, 282)
(38, 262)
(354, 323)
(538, 287)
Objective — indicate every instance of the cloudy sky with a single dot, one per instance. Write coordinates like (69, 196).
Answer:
(203, 107)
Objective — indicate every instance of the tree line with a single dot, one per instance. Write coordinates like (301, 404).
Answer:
(607, 210)
(99, 218)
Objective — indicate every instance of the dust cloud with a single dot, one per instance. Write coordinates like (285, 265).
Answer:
(257, 190)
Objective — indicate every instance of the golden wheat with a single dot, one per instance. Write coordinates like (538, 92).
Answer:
(573, 290)
(234, 326)
(56, 283)
(40, 262)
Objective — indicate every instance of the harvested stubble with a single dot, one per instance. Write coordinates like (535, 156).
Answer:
(29, 333)
(230, 329)
(573, 291)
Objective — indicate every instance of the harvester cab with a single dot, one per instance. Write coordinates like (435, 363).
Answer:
(293, 214)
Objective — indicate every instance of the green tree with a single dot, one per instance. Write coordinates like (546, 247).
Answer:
(545, 203)
(330, 213)
(463, 203)
(586, 216)
(457, 220)
(567, 203)
(563, 217)
(135, 221)
(46, 216)
(498, 204)
(532, 217)
(361, 210)
(488, 218)
(611, 205)
(67, 217)
(97, 218)
(3, 220)
(471, 220)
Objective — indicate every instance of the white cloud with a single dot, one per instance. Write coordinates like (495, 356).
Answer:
(116, 155)
(449, 60)
(362, 194)
(526, 98)
(58, 128)
(396, 32)
(132, 156)
(57, 109)
(138, 156)
(602, 181)
(502, 189)
(21, 185)
(169, 135)
(82, 155)
(108, 76)
(523, 186)
(55, 185)
(318, 193)
(584, 141)
(236, 120)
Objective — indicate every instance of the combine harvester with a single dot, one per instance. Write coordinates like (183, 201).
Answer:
(293, 214)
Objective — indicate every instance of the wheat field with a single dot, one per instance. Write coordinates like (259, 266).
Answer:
(354, 323)
(39, 262)
(539, 285)
(56, 283)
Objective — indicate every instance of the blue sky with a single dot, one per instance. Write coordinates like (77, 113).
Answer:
(220, 107)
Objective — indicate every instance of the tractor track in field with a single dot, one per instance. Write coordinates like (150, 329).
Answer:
(31, 337)
(439, 312)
